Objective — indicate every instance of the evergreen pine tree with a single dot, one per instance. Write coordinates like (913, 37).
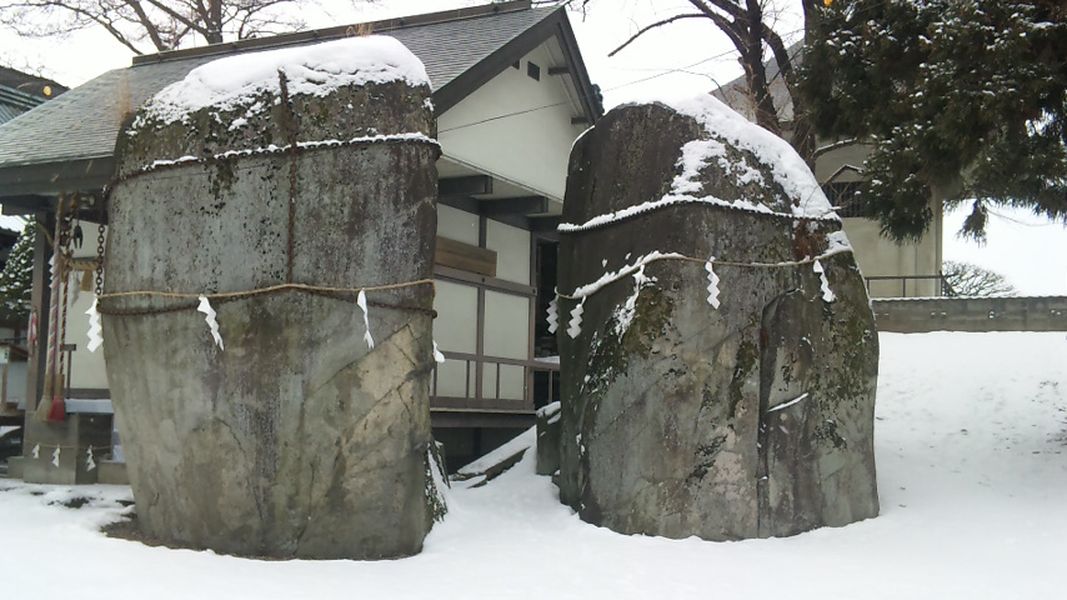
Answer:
(16, 279)
(962, 100)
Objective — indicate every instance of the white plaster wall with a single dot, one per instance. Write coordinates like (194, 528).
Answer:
(511, 382)
(15, 383)
(454, 329)
(878, 256)
(507, 334)
(457, 311)
(512, 247)
(87, 369)
(531, 149)
(457, 225)
(452, 378)
(507, 325)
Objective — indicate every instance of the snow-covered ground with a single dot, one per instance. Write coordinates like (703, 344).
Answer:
(972, 468)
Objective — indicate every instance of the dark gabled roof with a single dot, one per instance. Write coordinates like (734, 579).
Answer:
(67, 143)
(27, 83)
(20, 92)
(13, 103)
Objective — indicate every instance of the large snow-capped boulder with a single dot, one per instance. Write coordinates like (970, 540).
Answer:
(289, 436)
(718, 353)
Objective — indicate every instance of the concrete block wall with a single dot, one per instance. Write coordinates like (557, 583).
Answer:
(916, 315)
(73, 436)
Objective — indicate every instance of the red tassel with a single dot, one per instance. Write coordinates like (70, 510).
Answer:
(58, 411)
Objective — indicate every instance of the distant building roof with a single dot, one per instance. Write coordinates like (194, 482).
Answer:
(20, 92)
(32, 85)
(68, 143)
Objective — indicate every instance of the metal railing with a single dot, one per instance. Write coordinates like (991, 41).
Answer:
(944, 287)
(538, 384)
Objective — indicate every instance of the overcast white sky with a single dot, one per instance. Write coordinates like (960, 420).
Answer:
(683, 59)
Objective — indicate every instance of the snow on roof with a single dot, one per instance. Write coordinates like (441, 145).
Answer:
(12, 223)
(789, 170)
(316, 69)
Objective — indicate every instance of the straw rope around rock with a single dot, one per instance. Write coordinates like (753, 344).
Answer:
(295, 148)
(193, 297)
(679, 200)
(643, 261)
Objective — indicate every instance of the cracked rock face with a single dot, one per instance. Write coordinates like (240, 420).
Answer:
(754, 419)
(296, 440)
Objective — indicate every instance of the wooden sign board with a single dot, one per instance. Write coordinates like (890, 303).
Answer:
(465, 257)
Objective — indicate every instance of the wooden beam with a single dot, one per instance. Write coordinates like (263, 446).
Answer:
(465, 257)
(465, 186)
(464, 203)
(27, 205)
(478, 417)
(490, 283)
(58, 177)
(545, 224)
(524, 205)
(559, 70)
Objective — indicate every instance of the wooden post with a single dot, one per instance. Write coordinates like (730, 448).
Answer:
(479, 340)
(40, 299)
(533, 306)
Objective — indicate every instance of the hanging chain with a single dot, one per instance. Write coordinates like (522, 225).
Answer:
(100, 255)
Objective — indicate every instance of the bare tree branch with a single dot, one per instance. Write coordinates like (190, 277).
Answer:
(199, 27)
(647, 28)
(162, 24)
(149, 26)
(966, 279)
(730, 28)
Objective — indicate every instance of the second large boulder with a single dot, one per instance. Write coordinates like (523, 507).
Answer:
(719, 357)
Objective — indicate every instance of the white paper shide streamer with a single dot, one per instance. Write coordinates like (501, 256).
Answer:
(574, 327)
(437, 356)
(90, 463)
(212, 322)
(36, 452)
(361, 302)
(95, 329)
(827, 293)
(55, 457)
(553, 314)
(713, 283)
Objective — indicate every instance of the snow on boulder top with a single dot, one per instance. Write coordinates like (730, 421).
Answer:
(788, 169)
(315, 69)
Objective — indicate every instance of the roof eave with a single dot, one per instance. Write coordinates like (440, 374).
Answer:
(555, 24)
(57, 177)
(589, 95)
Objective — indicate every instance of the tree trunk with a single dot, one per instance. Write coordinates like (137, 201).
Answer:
(756, 71)
(214, 24)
